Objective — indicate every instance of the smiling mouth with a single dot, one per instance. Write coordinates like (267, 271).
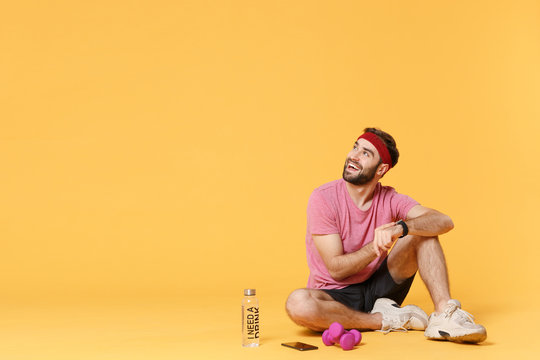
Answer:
(353, 167)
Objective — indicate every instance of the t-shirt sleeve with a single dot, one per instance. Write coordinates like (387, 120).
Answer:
(321, 218)
(400, 205)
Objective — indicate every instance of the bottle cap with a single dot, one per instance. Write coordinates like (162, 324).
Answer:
(249, 292)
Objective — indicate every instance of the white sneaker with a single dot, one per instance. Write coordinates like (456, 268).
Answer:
(455, 324)
(396, 318)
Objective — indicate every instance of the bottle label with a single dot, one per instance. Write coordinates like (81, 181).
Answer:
(252, 322)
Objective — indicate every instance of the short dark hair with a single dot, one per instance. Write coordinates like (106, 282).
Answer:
(389, 141)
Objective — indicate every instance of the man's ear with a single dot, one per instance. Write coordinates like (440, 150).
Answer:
(383, 168)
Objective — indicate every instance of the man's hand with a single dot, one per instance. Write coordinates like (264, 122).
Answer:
(385, 236)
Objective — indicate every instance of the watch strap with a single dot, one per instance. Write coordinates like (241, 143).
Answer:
(405, 228)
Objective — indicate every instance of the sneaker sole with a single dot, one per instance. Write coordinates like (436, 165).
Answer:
(472, 338)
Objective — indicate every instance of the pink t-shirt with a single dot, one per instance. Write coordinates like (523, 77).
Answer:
(332, 211)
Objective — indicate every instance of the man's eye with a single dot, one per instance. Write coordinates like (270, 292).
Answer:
(365, 153)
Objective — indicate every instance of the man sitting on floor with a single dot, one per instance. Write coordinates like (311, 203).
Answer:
(352, 224)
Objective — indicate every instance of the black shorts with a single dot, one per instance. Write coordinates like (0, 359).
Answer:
(362, 296)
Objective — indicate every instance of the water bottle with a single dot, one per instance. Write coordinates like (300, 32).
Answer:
(250, 319)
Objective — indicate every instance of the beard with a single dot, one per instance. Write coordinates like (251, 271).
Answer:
(362, 177)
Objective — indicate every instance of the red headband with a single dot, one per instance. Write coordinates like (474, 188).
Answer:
(379, 145)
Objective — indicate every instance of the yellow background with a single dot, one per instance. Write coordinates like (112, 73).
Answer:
(157, 158)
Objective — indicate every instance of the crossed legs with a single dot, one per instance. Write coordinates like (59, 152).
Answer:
(316, 310)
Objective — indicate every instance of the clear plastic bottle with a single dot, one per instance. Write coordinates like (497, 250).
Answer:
(250, 319)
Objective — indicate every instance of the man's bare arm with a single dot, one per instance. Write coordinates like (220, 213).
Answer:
(340, 265)
(420, 221)
(424, 221)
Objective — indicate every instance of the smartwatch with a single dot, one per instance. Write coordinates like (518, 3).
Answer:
(404, 226)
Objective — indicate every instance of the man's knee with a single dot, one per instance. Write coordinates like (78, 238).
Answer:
(300, 305)
(411, 243)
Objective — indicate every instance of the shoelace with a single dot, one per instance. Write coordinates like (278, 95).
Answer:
(460, 313)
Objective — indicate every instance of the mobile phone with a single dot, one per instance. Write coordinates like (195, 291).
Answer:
(300, 346)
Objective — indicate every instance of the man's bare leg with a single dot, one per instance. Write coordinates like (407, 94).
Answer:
(424, 254)
(316, 310)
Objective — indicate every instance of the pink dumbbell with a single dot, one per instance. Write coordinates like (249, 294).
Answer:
(337, 334)
(357, 336)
